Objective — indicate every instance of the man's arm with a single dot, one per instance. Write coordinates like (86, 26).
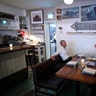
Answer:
(53, 56)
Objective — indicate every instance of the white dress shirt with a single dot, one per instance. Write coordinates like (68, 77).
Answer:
(63, 53)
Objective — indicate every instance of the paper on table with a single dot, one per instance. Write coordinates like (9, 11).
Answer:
(72, 63)
(81, 55)
(91, 63)
(89, 71)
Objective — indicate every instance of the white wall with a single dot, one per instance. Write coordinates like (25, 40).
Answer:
(77, 43)
(13, 10)
(46, 12)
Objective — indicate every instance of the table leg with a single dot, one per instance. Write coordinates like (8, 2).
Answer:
(93, 90)
(77, 88)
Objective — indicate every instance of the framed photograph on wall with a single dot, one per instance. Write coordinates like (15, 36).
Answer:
(68, 13)
(88, 13)
(59, 17)
(58, 11)
(37, 17)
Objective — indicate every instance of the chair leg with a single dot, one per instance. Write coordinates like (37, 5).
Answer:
(35, 91)
(57, 93)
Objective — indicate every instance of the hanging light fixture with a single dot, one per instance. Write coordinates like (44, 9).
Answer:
(68, 1)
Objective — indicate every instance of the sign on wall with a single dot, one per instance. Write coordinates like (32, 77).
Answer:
(84, 26)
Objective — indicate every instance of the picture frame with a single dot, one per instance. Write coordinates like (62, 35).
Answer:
(68, 13)
(37, 17)
(88, 13)
(38, 28)
(58, 11)
(59, 17)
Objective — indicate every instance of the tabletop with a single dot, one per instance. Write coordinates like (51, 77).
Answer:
(75, 74)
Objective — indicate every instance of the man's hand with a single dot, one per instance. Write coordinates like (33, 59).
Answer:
(74, 57)
(52, 57)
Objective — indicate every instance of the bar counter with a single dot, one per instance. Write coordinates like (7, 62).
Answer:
(12, 66)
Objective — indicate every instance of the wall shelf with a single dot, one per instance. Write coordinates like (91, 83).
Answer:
(81, 33)
(8, 21)
(9, 29)
(38, 28)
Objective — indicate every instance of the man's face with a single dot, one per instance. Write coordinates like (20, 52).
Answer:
(63, 44)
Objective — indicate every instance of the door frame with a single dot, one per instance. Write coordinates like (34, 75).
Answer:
(47, 38)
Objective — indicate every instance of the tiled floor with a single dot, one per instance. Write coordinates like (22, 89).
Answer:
(21, 89)
(26, 88)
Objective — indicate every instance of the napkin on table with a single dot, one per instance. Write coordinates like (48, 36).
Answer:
(89, 71)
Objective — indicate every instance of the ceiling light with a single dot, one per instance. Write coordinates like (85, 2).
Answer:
(68, 1)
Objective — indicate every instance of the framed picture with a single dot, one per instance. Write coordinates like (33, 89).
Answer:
(58, 11)
(88, 13)
(68, 13)
(58, 17)
(37, 17)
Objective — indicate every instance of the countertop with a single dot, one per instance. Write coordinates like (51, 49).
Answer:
(19, 47)
(15, 48)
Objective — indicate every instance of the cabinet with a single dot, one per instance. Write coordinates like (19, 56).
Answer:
(12, 68)
(39, 53)
(8, 21)
(11, 63)
(24, 22)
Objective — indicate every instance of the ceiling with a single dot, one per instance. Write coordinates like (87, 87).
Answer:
(32, 4)
(35, 4)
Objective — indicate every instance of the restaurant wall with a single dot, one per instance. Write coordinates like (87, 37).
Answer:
(12, 10)
(48, 11)
(79, 42)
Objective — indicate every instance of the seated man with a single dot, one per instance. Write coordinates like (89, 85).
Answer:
(62, 54)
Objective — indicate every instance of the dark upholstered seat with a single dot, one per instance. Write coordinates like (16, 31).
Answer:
(44, 77)
(52, 82)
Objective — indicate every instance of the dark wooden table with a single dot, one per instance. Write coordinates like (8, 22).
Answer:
(75, 74)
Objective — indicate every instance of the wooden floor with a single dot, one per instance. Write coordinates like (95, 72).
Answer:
(26, 88)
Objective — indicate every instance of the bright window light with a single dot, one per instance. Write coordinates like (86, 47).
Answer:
(50, 16)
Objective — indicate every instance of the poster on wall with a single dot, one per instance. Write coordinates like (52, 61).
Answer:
(37, 17)
(59, 17)
(68, 13)
(88, 13)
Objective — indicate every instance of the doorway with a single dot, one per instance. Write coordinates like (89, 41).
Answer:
(50, 38)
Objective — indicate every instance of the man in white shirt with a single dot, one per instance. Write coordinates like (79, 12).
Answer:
(62, 52)
(61, 57)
